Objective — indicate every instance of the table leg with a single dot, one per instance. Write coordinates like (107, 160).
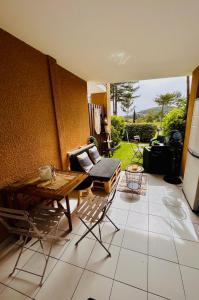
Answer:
(68, 215)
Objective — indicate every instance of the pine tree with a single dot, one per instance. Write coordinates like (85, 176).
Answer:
(124, 92)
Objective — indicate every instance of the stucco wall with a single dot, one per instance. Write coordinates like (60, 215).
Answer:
(43, 110)
(28, 136)
(72, 111)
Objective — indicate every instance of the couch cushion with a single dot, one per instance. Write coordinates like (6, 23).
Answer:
(74, 163)
(104, 169)
(85, 161)
(94, 155)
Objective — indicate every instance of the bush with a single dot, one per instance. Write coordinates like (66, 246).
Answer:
(93, 140)
(174, 120)
(115, 136)
(146, 131)
(117, 129)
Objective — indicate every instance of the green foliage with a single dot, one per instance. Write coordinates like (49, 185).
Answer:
(179, 100)
(175, 119)
(115, 136)
(167, 99)
(144, 130)
(93, 140)
(118, 122)
(117, 129)
(150, 117)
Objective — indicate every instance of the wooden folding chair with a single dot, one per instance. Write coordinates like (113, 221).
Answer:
(39, 224)
(93, 210)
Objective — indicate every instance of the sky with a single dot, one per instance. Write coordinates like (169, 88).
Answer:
(149, 89)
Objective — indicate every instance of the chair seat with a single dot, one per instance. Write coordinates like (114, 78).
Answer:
(38, 223)
(91, 208)
(43, 218)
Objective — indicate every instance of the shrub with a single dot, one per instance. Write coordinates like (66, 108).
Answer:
(146, 131)
(117, 129)
(93, 140)
(118, 123)
(115, 136)
(174, 120)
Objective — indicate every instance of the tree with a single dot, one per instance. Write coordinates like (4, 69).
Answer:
(126, 105)
(134, 115)
(167, 99)
(180, 101)
(164, 100)
(123, 92)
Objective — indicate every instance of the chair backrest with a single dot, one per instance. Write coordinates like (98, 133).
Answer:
(37, 223)
(110, 197)
(95, 207)
(7, 214)
(13, 213)
(136, 138)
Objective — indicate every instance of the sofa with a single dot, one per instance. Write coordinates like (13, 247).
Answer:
(103, 174)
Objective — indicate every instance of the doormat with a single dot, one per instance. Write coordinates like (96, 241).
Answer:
(122, 186)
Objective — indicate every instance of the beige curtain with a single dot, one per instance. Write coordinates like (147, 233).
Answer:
(97, 120)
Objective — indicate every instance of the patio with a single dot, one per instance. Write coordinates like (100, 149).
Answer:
(58, 59)
(154, 255)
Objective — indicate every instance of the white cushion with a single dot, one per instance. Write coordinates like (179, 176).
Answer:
(94, 155)
(85, 161)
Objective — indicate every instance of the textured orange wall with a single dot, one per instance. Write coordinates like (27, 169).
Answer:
(71, 109)
(43, 111)
(28, 136)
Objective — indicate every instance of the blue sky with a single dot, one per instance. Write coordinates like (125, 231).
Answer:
(149, 89)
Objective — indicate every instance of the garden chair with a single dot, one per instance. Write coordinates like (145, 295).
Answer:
(137, 150)
(92, 211)
(41, 223)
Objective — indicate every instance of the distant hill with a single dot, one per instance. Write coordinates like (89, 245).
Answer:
(155, 110)
(144, 112)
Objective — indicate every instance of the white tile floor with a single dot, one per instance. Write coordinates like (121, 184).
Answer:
(155, 255)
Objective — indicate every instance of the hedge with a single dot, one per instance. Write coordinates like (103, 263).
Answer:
(146, 131)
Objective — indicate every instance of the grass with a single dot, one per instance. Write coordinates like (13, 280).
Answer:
(125, 153)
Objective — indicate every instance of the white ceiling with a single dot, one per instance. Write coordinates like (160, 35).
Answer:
(110, 40)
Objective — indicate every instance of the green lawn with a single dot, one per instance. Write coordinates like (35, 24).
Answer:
(125, 153)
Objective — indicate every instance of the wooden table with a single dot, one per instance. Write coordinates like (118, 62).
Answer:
(30, 186)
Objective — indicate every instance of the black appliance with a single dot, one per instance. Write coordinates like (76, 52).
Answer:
(174, 142)
(155, 159)
(165, 158)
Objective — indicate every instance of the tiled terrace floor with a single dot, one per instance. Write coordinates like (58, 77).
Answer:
(155, 255)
